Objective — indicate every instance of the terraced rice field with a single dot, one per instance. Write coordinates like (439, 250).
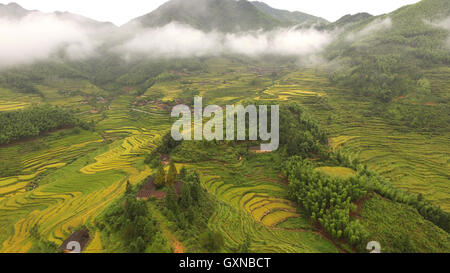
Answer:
(79, 176)
(255, 204)
(12, 105)
(414, 162)
(74, 192)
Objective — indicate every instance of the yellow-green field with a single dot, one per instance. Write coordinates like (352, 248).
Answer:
(337, 171)
(81, 175)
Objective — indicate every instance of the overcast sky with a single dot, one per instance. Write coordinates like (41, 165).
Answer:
(121, 11)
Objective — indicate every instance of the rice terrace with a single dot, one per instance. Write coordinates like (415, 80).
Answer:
(87, 155)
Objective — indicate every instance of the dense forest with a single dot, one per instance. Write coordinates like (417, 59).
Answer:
(327, 200)
(300, 134)
(33, 121)
(131, 223)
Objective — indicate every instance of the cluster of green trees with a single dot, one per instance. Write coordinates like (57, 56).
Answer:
(327, 200)
(191, 210)
(165, 146)
(35, 120)
(300, 134)
(377, 183)
(132, 223)
(22, 84)
(162, 179)
(211, 240)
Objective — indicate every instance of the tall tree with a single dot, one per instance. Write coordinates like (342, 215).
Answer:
(160, 179)
(171, 175)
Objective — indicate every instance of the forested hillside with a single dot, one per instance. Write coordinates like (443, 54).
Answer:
(32, 122)
(390, 58)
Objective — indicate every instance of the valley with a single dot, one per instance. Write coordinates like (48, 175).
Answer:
(80, 175)
(86, 150)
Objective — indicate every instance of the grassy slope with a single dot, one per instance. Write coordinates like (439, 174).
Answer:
(414, 162)
(399, 228)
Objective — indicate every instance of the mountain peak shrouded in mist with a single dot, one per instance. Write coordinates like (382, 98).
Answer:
(12, 11)
(198, 28)
(221, 15)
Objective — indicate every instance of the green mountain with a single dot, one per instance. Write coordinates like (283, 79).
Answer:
(295, 17)
(222, 15)
(396, 58)
(349, 19)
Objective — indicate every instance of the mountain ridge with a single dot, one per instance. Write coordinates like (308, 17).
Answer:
(296, 17)
(209, 15)
(15, 11)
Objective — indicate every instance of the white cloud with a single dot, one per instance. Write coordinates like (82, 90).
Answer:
(375, 26)
(172, 40)
(177, 40)
(445, 24)
(38, 36)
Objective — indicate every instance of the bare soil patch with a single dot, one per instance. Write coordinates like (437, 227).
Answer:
(149, 190)
(81, 236)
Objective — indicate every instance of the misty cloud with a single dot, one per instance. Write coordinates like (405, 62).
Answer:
(38, 36)
(445, 24)
(375, 26)
(292, 42)
(177, 40)
(172, 40)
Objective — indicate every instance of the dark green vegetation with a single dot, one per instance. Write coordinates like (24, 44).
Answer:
(300, 134)
(334, 203)
(389, 58)
(190, 212)
(130, 221)
(328, 200)
(31, 122)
